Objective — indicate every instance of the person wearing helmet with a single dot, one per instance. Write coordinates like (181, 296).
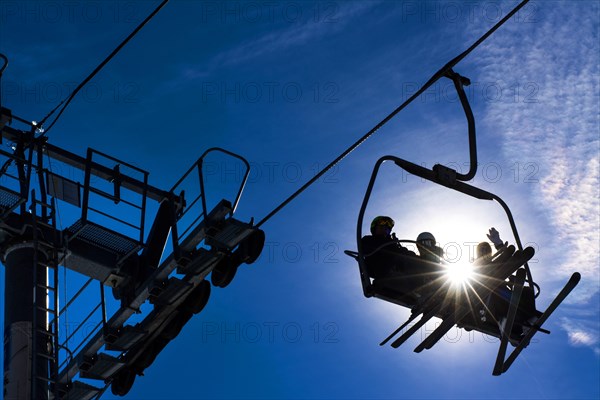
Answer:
(428, 250)
(429, 271)
(381, 249)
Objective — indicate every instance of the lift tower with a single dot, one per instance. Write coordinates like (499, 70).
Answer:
(109, 246)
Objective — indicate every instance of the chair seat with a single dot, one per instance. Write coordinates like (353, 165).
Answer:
(393, 290)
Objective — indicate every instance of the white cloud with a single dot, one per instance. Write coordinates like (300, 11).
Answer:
(581, 338)
(554, 63)
(555, 122)
(582, 333)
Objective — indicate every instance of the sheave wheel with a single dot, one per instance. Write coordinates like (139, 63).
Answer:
(123, 382)
(174, 328)
(223, 273)
(252, 246)
(196, 301)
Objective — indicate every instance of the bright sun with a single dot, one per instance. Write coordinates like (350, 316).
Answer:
(459, 273)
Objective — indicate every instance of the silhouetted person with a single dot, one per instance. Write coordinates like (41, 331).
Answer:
(428, 249)
(483, 252)
(430, 270)
(498, 301)
(393, 266)
(381, 249)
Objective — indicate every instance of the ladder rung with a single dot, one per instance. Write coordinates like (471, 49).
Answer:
(47, 356)
(43, 378)
(47, 310)
(46, 287)
(41, 204)
(47, 333)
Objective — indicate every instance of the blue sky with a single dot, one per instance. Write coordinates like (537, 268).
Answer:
(289, 85)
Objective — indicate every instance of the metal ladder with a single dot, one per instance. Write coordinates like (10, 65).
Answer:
(45, 341)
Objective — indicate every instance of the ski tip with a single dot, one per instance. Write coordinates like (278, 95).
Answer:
(576, 277)
(528, 253)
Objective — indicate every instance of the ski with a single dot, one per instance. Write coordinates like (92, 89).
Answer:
(569, 286)
(414, 328)
(410, 319)
(436, 335)
(506, 329)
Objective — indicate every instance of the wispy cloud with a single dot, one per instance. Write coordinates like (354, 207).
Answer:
(556, 58)
(582, 333)
(559, 131)
(278, 40)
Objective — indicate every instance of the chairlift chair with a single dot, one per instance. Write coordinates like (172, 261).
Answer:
(507, 267)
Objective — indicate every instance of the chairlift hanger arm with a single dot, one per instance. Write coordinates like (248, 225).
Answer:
(459, 82)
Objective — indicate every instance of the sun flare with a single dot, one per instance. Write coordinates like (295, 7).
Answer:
(459, 273)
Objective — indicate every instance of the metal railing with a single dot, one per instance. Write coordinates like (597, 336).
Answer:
(188, 209)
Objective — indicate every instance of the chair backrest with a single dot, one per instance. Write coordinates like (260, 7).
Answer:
(364, 276)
